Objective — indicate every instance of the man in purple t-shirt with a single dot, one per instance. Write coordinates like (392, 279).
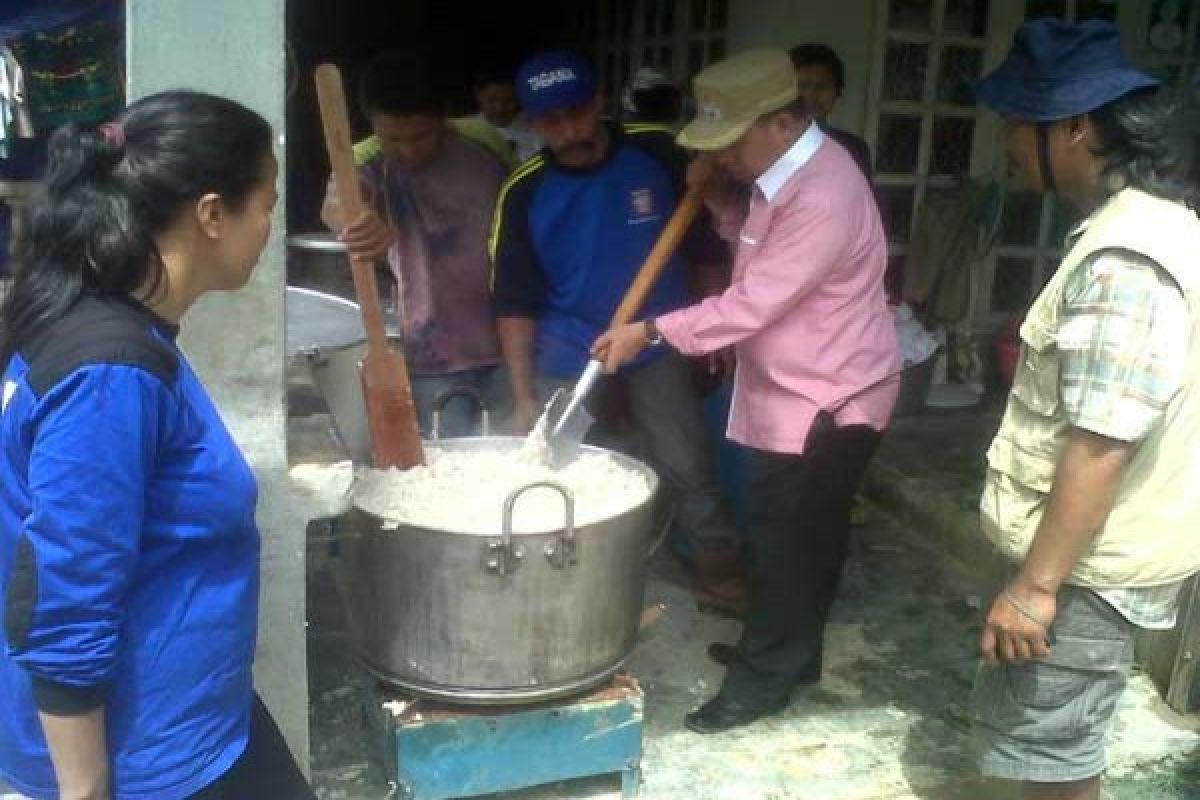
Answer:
(430, 193)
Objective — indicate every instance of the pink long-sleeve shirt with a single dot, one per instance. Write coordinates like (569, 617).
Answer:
(806, 310)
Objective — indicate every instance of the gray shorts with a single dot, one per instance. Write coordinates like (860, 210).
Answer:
(1045, 721)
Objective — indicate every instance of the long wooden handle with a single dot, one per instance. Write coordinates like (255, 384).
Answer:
(387, 394)
(660, 256)
(332, 99)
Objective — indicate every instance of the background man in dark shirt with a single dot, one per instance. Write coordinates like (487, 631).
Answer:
(821, 79)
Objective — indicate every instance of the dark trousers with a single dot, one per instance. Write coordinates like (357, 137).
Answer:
(265, 770)
(798, 510)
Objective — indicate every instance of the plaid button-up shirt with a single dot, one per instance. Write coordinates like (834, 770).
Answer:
(1123, 321)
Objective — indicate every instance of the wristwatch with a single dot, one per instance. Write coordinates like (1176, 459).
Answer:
(653, 337)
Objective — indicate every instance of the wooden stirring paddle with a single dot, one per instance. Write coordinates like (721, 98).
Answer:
(391, 414)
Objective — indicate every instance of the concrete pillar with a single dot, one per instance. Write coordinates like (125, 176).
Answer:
(235, 48)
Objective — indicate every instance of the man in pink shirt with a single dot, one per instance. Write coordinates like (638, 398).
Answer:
(818, 369)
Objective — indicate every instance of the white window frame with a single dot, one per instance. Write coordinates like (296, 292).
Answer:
(984, 146)
(627, 53)
(987, 155)
(1187, 59)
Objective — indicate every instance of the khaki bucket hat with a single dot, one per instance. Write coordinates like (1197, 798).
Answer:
(733, 94)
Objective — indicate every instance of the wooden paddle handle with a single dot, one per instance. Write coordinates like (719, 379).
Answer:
(660, 256)
(332, 99)
(387, 394)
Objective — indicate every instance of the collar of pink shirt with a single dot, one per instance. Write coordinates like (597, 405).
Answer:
(799, 154)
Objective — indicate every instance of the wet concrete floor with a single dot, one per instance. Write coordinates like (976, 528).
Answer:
(888, 721)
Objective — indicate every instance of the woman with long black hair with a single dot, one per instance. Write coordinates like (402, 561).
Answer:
(128, 546)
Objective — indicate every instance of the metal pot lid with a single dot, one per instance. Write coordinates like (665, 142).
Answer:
(319, 321)
(320, 242)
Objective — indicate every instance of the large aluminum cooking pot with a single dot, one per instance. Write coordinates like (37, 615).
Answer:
(509, 618)
(318, 261)
(327, 331)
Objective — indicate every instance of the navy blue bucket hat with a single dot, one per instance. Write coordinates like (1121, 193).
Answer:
(1058, 70)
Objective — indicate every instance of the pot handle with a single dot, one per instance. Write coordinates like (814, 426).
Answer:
(564, 551)
(440, 402)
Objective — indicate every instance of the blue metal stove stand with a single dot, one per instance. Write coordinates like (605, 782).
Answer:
(439, 752)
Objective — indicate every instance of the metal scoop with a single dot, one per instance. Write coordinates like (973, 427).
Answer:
(566, 420)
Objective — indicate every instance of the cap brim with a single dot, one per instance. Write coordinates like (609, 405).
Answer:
(705, 135)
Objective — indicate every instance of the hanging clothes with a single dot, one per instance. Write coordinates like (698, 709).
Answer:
(21, 17)
(74, 73)
(954, 232)
(15, 119)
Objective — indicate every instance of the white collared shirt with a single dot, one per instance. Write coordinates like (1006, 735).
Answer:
(778, 174)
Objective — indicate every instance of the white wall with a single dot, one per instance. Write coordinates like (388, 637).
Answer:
(236, 341)
(845, 25)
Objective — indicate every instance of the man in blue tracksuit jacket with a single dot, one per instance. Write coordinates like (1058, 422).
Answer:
(573, 226)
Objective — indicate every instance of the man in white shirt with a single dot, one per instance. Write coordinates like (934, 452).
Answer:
(497, 99)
